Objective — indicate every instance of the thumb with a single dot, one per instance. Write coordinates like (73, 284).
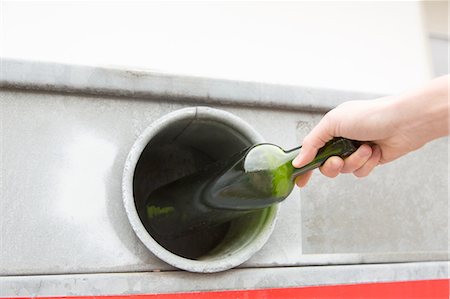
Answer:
(307, 153)
(315, 140)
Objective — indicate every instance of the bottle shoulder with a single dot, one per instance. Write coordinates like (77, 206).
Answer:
(265, 156)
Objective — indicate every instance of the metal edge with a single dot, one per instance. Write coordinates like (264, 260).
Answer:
(236, 279)
(51, 76)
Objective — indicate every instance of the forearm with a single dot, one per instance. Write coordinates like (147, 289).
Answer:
(425, 111)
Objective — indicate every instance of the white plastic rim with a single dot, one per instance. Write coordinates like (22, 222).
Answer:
(206, 265)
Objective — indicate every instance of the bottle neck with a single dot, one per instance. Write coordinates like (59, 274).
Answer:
(336, 147)
(290, 155)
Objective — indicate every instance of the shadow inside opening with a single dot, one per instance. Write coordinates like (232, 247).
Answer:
(180, 149)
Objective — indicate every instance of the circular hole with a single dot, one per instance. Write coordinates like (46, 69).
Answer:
(177, 145)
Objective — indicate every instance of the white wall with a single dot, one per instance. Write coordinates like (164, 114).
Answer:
(363, 46)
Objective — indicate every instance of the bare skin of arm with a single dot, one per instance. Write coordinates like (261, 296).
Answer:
(394, 126)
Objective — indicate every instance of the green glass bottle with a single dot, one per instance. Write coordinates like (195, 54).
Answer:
(254, 178)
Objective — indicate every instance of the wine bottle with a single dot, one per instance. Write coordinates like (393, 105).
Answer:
(255, 178)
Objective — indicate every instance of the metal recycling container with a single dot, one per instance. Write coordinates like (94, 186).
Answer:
(67, 133)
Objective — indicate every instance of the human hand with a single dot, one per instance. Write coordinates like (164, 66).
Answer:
(394, 126)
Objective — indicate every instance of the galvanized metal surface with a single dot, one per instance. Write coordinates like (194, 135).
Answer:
(171, 282)
(63, 156)
(402, 206)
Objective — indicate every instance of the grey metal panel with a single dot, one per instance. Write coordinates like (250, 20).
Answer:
(62, 209)
(400, 207)
(63, 158)
(144, 84)
(171, 282)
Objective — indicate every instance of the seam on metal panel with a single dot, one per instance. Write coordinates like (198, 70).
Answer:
(235, 269)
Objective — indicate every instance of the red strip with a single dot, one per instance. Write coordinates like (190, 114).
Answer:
(426, 289)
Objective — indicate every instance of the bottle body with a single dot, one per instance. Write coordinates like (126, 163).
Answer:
(262, 177)
(255, 178)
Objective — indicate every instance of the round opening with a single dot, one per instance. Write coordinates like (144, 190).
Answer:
(177, 145)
